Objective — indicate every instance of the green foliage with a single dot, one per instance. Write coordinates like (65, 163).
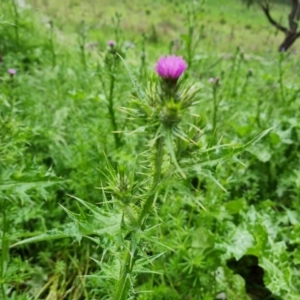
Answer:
(112, 187)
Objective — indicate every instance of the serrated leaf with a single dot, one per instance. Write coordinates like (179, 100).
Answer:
(68, 230)
(169, 145)
(98, 223)
(20, 189)
(217, 154)
(134, 81)
(232, 284)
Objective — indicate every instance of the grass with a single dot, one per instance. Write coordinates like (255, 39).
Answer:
(230, 23)
(115, 186)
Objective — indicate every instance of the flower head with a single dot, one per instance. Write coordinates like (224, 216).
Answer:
(111, 43)
(12, 72)
(171, 67)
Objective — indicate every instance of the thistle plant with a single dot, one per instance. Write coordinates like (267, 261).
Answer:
(82, 37)
(246, 82)
(160, 112)
(12, 87)
(52, 44)
(175, 151)
(238, 59)
(4, 252)
(169, 219)
(171, 150)
(143, 67)
(111, 66)
(193, 35)
(108, 76)
(16, 20)
(281, 59)
(215, 86)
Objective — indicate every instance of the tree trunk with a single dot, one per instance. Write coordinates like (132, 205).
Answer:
(288, 41)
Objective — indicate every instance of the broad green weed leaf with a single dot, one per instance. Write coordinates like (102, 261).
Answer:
(262, 152)
(232, 284)
(239, 243)
(202, 239)
(235, 206)
(278, 278)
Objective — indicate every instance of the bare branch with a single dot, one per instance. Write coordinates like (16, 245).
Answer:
(266, 8)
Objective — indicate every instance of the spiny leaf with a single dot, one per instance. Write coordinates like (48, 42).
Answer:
(134, 81)
(28, 185)
(169, 144)
(99, 223)
(220, 153)
(20, 189)
(68, 230)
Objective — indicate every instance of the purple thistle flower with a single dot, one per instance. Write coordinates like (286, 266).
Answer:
(12, 72)
(111, 43)
(171, 67)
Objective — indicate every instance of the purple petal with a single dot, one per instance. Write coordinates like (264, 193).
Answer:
(12, 71)
(171, 67)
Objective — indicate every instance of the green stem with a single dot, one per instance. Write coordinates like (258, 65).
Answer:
(126, 270)
(189, 44)
(215, 112)
(244, 87)
(257, 117)
(281, 77)
(236, 77)
(81, 42)
(190, 34)
(131, 252)
(52, 46)
(111, 110)
(15, 8)
(143, 68)
(156, 178)
(82, 51)
(3, 258)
